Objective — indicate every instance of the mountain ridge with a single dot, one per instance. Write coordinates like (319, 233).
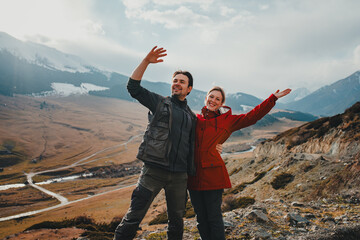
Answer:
(28, 68)
(331, 99)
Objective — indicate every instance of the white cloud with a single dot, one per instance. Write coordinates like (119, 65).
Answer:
(56, 19)
(226, 11)
(240, 45)
(173, 19)
(135, 4)
(242, 18)
(357, 56)
(92, 28)
(204, 4)
(209, 36)
(181, 2)
(264, 7)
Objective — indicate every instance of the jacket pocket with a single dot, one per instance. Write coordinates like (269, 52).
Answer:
(210, 159)
(157, 141)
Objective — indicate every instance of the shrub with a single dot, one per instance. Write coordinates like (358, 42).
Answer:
(242, 186)
(258, 176)
(235, 170)
(114, 223)
(231, 202)
(281, 180)
(94, 231)
(156, 236)
(83, 222)
(159, 219)
(237, 188)
(96, 235)
(189, 210)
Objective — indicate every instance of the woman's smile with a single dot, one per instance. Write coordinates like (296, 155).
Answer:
(214, 100)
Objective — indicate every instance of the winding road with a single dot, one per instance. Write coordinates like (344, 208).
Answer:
(63, 200)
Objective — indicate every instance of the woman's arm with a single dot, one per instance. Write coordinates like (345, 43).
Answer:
(245, 120)
(281, 94)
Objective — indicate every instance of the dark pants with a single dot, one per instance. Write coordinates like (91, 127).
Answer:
(151, 181)
(207, 206)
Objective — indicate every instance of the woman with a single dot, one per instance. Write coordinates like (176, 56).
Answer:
(214, 126)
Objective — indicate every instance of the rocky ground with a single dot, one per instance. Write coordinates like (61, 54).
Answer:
(272, 219)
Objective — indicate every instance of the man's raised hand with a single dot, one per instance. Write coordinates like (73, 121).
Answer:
(155, 55)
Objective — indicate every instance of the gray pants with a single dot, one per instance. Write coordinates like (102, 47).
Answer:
(151, 181)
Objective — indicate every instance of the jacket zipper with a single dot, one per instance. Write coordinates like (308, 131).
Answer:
(199, 150)
(177, 149)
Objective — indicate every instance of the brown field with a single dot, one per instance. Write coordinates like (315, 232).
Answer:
(15, 201)
(82, 188)
(51, 133)
(63, 132)
(66, 130)
(101, 208)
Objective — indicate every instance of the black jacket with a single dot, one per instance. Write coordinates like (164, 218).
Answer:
(169, 138)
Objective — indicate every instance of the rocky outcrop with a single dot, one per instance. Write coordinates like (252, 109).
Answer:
(344, 184)
(337, 136)
(323, 157)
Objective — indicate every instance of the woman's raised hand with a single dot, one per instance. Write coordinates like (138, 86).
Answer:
(281, 94)
(155, 54)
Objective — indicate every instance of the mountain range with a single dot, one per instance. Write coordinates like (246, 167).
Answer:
(34, 69)
(331, 99)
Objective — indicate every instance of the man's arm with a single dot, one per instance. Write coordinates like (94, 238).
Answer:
(145, 97)
(152, 57)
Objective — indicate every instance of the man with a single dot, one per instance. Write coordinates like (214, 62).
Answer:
(166, 150)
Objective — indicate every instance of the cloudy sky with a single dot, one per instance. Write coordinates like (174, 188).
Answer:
(251, 46)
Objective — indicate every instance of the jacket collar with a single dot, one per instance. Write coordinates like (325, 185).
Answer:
(207, 114)
(175, 100)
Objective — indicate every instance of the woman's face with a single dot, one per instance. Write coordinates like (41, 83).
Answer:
(214, 100)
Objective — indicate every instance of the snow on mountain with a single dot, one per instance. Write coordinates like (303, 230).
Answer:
(67, 89)
(42, 55)
(295, 95)
(246, 108)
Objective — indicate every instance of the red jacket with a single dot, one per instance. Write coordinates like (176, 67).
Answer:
(213, 129)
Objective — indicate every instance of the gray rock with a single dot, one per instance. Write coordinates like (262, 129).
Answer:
(260, 209)
(296, 220)
(262, 234)
(228, 224)
(297, 204)
(315, 228)
(257, 216)
(276, 214)
(309, 216)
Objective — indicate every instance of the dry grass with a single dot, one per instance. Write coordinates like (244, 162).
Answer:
(101, 208)
(15, 201)
(65, 233)
(82, 188)
(67, 130)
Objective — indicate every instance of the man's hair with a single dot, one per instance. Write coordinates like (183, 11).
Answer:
(220, 89)
(186, 73)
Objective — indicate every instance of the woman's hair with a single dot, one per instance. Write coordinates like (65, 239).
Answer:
(220, 89)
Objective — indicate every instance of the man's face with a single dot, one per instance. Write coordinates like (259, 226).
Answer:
(180, 86)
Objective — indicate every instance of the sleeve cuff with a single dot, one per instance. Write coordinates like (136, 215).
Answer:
(272, 96)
